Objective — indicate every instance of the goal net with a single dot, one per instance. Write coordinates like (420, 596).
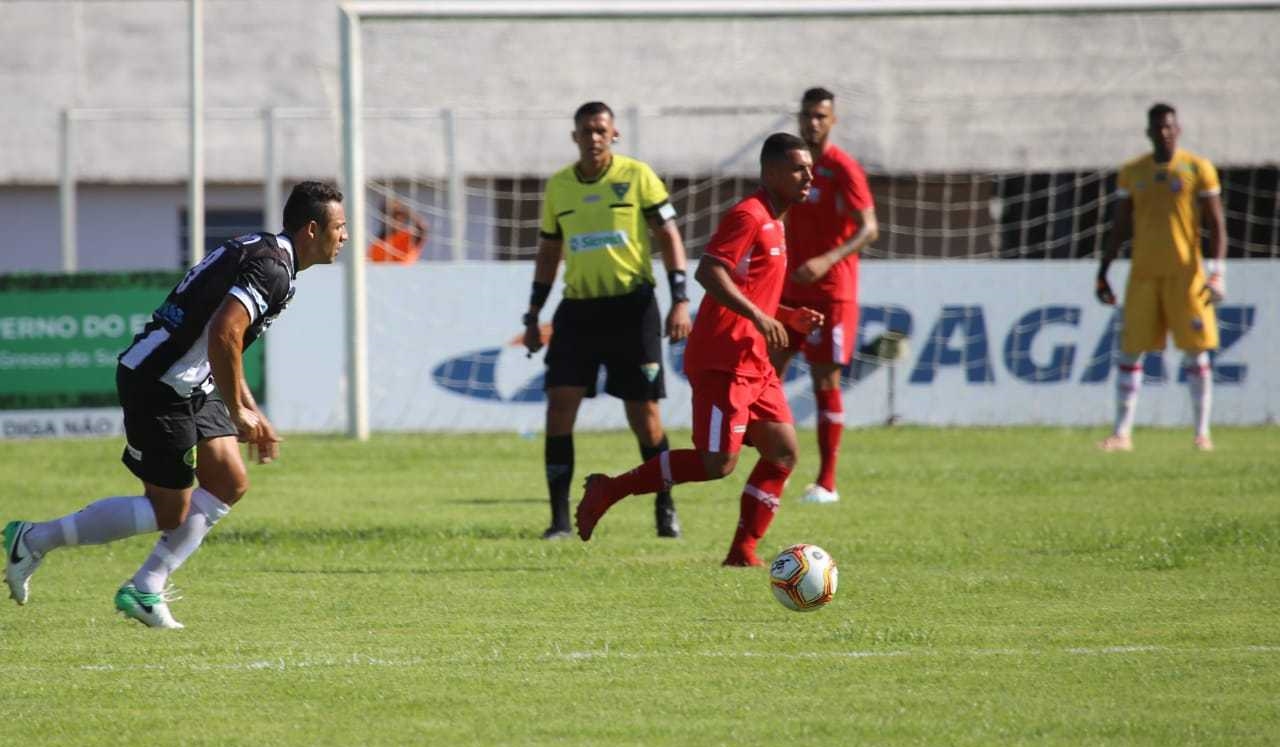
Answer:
(990, 141)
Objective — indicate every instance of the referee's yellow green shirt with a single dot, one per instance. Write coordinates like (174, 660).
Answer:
(603, 226)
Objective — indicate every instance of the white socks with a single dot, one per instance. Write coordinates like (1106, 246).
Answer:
(174, 547)
(100, 522)
(1200, 383)
(1128, 382)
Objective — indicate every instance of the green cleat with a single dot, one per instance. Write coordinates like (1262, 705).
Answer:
(151, 610)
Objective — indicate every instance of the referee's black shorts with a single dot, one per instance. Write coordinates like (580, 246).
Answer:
(621, 333)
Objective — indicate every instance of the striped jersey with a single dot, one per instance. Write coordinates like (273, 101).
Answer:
(256, 269)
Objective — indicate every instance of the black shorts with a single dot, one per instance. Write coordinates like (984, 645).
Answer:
(163, 428)
(621, 333)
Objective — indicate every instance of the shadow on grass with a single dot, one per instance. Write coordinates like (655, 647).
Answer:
(491, 501)
(442, 570)
(380, 534)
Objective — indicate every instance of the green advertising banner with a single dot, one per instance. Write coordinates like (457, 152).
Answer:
(60, 336)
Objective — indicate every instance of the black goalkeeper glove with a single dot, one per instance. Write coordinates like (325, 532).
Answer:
(1103, 290)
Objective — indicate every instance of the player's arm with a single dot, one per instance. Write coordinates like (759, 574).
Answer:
(866, 235)
(667, 236)
(226, 358)
(1121, 231)
(715, 278)
(802, 319)
(545, 264)
(1211, 208)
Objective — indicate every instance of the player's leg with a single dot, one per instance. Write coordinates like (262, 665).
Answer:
(1143, 329)
(1194, 323)
(830, 427)
(223, 481)
(774, 435)
(573, 362)
(720, 412)
(160, 451)
(634, 374)
(646, 424)
(562, 412)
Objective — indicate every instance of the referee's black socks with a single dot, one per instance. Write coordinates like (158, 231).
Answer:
(558, 456)
(649, 452)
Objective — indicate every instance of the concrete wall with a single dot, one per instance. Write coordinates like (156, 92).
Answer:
(917, 93)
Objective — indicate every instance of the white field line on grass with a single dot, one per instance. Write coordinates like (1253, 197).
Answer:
(362, 660)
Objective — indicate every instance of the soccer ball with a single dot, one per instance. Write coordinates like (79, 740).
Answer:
(803, 577)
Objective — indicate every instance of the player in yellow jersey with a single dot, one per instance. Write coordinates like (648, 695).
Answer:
(1164, 198)
(601, 209)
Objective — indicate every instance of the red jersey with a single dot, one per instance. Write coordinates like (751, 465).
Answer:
(825, 220)
(752, 244)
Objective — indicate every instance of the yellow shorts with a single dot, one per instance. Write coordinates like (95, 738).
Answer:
(1156, 306)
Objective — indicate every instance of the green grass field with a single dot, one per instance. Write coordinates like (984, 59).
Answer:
(997, 586)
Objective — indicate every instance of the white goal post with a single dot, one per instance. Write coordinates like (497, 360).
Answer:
(353, 14)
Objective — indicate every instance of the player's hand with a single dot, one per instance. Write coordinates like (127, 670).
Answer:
(1216, 287)
(813, 269)
(803, 320)
(532, 336)
(1103, 291)
(254, 428)
(775, 333)
(678, 323)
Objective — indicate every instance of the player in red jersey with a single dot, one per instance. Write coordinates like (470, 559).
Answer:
(736, 391)
(825, 233)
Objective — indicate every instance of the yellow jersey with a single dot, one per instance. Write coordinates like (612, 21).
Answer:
(1166, 211)
(603, 224)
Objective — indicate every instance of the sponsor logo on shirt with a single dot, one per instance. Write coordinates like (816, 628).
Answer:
(590, 242)
(775, 251)
(591, 198)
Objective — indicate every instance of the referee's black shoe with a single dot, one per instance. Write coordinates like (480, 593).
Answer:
(667, 521)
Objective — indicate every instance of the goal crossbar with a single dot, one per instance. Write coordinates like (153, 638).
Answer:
(352, 13)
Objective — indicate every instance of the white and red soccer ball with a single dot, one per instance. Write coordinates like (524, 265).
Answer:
(803, 577)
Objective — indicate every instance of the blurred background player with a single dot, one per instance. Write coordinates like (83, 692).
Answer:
(825, 233)
(602, 208)
(736, 391)
(402, 238)
(186, 402)
(1163, 198)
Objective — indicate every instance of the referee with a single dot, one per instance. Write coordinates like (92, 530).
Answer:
(602, 208)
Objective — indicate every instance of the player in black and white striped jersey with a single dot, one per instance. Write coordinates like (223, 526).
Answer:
(186, 404)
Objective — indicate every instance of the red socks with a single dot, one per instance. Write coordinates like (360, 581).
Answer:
(758, 505)
(830, 428)
(660, 473)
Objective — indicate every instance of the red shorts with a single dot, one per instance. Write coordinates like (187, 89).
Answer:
(724, 403)
(834, 341)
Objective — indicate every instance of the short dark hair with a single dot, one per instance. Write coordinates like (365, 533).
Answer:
(309, 201)
(816, 95)
(589, 110)
(778, 145)
(1159, 111)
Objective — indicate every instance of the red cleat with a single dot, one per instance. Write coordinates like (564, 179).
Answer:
(742, 558)
(595, 502)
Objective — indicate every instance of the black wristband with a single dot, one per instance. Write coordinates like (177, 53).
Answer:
(676, 279)
(538, 298)
(529, 319)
